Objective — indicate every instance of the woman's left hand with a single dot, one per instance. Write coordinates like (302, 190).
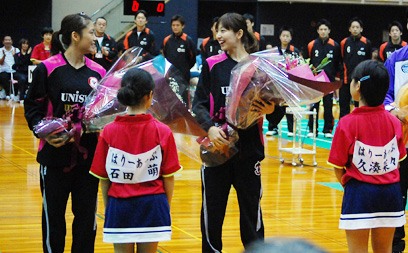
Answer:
(263, 107)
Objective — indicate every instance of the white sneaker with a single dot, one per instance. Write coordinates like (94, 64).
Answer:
(309, 135)
(269, 133)
(290, 134)
(328, 135)
(2, 94)
(16, 98)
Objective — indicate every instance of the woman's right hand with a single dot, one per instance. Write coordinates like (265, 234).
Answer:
(55, 141)
(217, 137)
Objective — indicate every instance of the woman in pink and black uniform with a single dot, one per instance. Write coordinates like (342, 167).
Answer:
(244, 169)
(58, 83)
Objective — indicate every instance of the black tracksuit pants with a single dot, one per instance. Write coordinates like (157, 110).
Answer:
(56, 185)
(344, 100)
(21, 83)
(398, 243)
(328, 114)
(275, 118)
(216, 182)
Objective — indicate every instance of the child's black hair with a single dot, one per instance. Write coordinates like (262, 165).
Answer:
(46, 30)
(374, 81)
(136, 83)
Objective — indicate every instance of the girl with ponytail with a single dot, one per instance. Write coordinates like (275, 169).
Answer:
(244, 169)
(138, 203)
(60, 82)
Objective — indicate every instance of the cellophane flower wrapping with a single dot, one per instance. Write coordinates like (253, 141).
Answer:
(56, 127)
(169, 106)
(102, 106)
(262, 76)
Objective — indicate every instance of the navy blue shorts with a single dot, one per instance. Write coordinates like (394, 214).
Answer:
(137, 219)
(368, 206)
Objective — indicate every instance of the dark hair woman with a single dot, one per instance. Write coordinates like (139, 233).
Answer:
(242, 170)
(60, 82)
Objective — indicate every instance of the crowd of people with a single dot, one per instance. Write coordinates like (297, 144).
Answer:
(81, 50)
(181, 51)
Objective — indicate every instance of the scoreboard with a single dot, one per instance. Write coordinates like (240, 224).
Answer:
(152, 7)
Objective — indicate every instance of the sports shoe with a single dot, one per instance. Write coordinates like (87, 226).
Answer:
(328, 135)
(273, 132)
(309, 135)
(290, 134)
(2, 94)
(11, 97)
(16, 98)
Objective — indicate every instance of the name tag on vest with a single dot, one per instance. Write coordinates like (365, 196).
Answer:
(373, 160)
(126, 168)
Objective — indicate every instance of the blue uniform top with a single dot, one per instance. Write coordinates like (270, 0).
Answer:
(397, 66)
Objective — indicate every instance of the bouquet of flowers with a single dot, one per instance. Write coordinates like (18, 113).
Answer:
(102, 106)
(169, 106)
(269, 76)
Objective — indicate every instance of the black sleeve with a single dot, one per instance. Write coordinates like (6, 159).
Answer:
(201, 102)
(369, 50)
(203, 53)
(113, 50)
(262, 43)
(337, 58)
(17, 62)
(151, 48)
(121, 46)
(306, 53)
(193, 49)
(164, 49)
(35, 104)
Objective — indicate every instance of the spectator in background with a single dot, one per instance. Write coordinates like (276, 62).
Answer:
(179, 49)
(319, 49)
(42, 51)
(21, 63)
(285, 48)
(250, 21)
(269, 46)
(354, 49)
(141, 36)
(210, 45)
(285, 37)
(105, 51)
(7, 74)
(395, 42)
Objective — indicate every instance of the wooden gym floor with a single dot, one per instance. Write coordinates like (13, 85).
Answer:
(302, 202)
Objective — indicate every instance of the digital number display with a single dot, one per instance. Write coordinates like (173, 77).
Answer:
(152, 7)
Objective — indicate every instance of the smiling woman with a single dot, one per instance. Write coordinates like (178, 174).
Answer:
(242, 170)
(58, 83)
